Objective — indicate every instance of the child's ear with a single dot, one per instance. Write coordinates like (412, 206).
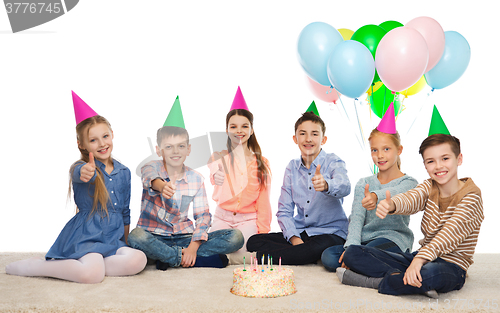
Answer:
(189, 149)
(460, 159)
(400, 150)
(295, 139)
(323, 141)
(158, 151)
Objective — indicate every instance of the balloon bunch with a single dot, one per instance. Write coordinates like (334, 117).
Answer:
(388, 62)
(401, 57)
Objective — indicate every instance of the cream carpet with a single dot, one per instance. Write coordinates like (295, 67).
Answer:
(207, 290)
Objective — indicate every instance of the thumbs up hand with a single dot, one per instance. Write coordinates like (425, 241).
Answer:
(318, 180)
(385, 206)
(87, 171)
(219, 176)
(369, 202)
(168, 189)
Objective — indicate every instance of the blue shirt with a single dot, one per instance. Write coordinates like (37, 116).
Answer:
(317, 212)
(118, 186)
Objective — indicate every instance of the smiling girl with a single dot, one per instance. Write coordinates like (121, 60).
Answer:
(92, 245)
(365, 228)
(241, 178)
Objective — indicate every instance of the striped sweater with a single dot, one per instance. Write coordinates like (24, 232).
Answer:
(450, 225)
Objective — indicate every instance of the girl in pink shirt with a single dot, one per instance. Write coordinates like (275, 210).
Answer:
(242, 180)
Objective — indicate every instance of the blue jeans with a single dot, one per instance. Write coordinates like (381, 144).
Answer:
(330, 257)
(437, 275)
(168, 249)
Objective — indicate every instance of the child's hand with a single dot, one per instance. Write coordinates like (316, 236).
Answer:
(341, 261)
(319, 181)
(219, 176)
(189, 254)
(168, 190)
(412, 275)
(385, 206)
(369, 202)
(296, 240)
(88, 170)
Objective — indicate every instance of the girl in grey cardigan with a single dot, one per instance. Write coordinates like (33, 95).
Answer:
(365, 228)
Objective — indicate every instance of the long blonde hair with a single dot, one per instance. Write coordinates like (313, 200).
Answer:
(101, 195)
(394, 137)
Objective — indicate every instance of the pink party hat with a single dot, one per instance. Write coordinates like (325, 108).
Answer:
(239, 102)
(82, 110)
(388, 123)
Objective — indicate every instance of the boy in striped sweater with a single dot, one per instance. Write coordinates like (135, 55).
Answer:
(453, 212)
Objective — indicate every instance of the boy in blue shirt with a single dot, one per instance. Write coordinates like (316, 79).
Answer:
(316, 184)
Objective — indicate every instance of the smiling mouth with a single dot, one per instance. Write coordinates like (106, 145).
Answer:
(103, 150)
(441, 174)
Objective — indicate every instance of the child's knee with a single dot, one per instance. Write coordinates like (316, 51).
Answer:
(137, 236)
(236, 239)
(92, 275)
(351, 254)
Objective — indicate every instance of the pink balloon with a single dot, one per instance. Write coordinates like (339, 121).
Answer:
(433, 34)
(401, 58)
(320, 91)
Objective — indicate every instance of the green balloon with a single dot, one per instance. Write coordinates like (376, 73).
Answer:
(370, 36)
(380, 101)
(390, 25)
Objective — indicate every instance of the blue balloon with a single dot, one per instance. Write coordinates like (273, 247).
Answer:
(453, 62)
(316, 42)
(351, 68)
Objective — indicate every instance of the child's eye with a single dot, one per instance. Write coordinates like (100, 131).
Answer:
(374, 150)
(386, 149)
(92, 140)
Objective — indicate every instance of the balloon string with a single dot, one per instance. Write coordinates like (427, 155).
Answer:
(421, 107)
(360, 127)
(383, 104)
(359, 124)
(400, 108)
(361, 145)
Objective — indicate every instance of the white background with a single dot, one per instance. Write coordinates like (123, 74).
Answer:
(130, 59)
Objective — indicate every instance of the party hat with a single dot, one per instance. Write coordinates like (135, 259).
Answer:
(437, 124)
(388, 123)
(239, 102)
(313, 108)
(174, 117)
(82, 110)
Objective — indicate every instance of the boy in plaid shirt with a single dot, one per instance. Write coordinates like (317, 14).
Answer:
(164, 231)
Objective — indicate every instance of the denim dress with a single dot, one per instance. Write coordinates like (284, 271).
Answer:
(95, 233)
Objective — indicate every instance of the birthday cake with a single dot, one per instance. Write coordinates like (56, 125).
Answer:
(270, 283)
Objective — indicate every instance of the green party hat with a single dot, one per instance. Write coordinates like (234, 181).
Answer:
(313, 108)
(437, 124)
(174, 117)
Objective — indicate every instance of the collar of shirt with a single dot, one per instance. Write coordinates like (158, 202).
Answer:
(117, 166)
(318, 160)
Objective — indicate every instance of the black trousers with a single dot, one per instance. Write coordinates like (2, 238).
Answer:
(275, 245)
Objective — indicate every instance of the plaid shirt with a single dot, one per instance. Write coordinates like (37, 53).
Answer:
(170, 216)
